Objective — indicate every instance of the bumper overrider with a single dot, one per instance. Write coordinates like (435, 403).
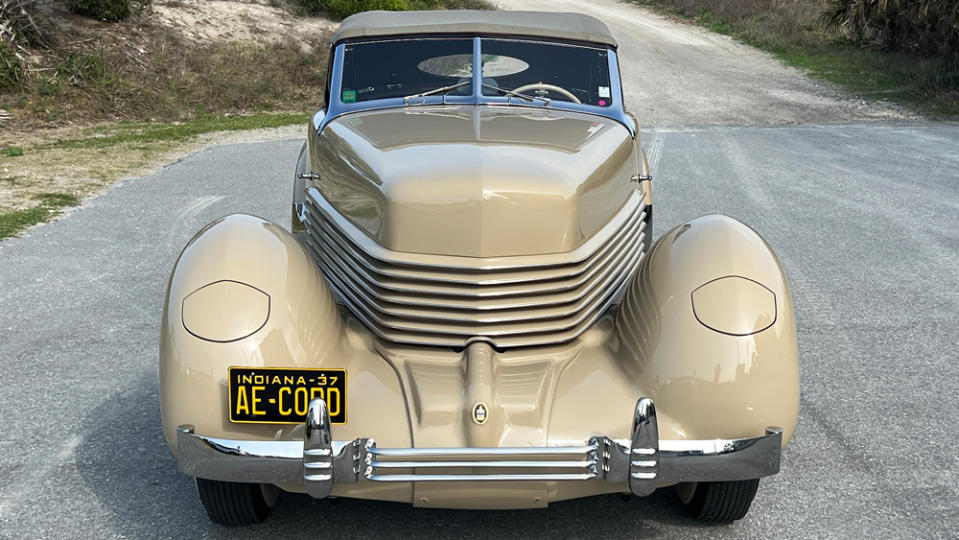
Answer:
(318, 462)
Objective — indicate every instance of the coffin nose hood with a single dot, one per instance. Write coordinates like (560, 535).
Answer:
(475, 181)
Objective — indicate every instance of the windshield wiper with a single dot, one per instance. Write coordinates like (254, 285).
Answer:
(517, 94)
(441, 90)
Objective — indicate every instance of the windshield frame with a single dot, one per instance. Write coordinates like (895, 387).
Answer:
(336, 107)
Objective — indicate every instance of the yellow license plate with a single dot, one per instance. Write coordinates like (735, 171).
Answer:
(282, 396)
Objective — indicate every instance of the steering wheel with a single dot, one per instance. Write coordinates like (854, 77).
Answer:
(549, 87)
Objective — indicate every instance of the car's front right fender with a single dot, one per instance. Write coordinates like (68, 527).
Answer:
(707, 331)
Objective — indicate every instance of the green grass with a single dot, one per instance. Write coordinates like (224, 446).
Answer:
(921, 84)
(145, 133)
(51, 204)
(791, 32)
(708, 20)
(11, 151)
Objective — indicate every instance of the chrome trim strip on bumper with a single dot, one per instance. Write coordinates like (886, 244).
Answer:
(643, 462)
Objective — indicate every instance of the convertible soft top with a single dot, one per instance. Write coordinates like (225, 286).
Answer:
(567, 26)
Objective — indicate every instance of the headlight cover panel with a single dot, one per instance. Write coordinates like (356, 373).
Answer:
(734, 305)
(225, 311)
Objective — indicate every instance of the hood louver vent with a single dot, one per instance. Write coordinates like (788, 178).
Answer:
(450, 301)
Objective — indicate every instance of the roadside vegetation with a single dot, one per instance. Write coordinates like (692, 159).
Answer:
(340, 9)
(50, 205)
(109, 10)
(59, 167)
(136, 70)
(905, 51)
(94, 90)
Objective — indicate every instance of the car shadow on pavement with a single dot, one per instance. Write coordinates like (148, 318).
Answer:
(125, 462)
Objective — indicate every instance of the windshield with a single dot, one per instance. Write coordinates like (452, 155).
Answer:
(399, 68)
(554, 71)
(415, 68)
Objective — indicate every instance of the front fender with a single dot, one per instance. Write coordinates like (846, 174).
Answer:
(225, 325)
(719, 361)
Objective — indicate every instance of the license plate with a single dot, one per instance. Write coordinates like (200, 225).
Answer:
(282, 396)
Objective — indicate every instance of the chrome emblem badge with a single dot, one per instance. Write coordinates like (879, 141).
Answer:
(480, 413)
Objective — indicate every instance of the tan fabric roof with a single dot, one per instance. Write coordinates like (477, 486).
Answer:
(571, 26)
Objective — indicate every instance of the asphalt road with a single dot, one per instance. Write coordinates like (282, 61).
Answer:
(865, 218)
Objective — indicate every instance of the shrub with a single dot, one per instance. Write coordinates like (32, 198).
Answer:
(340, 9)
(925, 26)
(108, 10)
(81, 69)
(11, 68)
(449, 4)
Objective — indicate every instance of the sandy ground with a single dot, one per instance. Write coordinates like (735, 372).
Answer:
(225, 20)
(676, 74)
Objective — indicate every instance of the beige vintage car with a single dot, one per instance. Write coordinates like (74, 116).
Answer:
(467, 311)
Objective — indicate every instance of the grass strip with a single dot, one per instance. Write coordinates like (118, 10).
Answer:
(127, 146)
(51, 204)
(139, 132)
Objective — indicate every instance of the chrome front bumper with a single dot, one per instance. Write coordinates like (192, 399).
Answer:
(643, 462)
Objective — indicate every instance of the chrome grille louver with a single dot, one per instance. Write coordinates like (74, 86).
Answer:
(449, 301)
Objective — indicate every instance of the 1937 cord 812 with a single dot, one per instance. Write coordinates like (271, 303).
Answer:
(468, 312)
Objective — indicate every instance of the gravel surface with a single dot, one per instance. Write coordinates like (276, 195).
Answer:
(865, 218)
(675, 74)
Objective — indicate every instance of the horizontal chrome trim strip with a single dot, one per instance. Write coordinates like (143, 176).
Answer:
(482, 452)
(482, 464)
(547, 477)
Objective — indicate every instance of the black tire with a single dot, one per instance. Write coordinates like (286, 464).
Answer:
(233, 504)
(719, 502)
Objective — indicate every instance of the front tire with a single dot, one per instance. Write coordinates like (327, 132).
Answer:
(234, 504)
(718, 502)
